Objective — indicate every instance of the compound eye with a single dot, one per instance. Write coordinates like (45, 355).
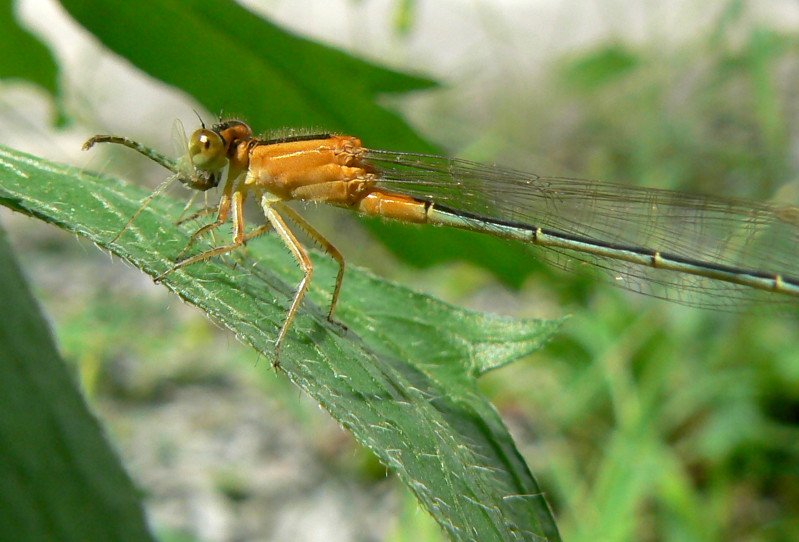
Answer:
(207, 150)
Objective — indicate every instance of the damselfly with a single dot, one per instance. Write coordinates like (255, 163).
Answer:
(716, 252)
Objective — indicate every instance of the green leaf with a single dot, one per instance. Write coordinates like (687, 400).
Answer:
(401, 376)
(232, 61)
(599, 68)
(22, 56)
(61, 480)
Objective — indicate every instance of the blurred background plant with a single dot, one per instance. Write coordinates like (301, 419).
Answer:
(642, 420)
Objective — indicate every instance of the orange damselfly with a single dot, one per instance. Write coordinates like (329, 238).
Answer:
(699, 250)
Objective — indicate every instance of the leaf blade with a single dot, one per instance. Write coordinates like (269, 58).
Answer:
(61, 479)
(422, 414)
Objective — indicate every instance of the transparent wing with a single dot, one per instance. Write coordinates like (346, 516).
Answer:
(738, 233)
(180, 143)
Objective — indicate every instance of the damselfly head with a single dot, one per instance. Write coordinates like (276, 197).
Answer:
(206, 153)
(207, 150)
(189, 171)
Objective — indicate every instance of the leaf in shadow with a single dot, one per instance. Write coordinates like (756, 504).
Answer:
(232, 61)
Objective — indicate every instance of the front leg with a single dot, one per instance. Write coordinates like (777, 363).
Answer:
(221, 218)
(237, 203)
